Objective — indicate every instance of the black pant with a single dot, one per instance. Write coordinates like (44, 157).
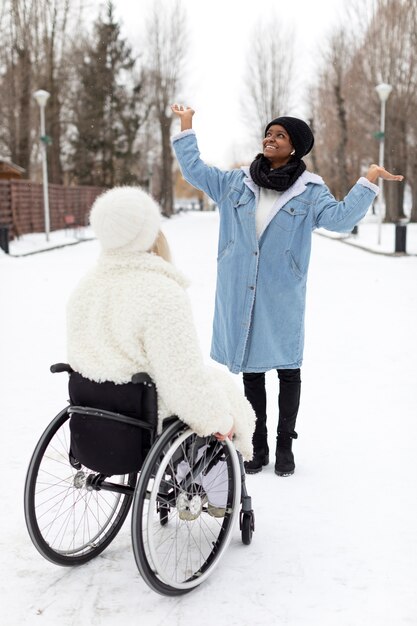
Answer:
(288, 403)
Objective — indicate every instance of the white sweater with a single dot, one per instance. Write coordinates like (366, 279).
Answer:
(131, 314)
(267, 199)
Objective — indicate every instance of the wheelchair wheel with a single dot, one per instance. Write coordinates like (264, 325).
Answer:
(196, 483)
(247, 526)
(69, 521)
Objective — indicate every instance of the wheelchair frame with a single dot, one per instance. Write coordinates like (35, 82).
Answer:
(73, 513)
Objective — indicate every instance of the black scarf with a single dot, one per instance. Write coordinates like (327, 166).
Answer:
(279, 179)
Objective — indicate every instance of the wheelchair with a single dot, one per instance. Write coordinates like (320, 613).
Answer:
(93, 464)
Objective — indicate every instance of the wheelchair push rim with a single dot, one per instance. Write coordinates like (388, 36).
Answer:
(69, 521)
(175, 554)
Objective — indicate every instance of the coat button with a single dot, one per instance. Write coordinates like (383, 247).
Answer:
(255, 252)
(292, 210)
(252, 287)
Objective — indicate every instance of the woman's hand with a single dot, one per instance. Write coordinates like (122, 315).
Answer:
(376, 171)
(185, 114)
(228, 435)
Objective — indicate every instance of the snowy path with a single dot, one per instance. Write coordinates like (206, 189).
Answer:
(334, 545)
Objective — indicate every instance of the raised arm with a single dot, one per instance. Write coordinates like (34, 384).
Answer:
(185, 114)
(376, 171)
(212, 180)
(343, 216)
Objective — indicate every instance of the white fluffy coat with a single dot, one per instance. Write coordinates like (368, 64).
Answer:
(131, 314)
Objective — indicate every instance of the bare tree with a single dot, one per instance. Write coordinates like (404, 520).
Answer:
(389, 55)
(382, 47)
(34, 52)
(269, 75)
(52, 73)
(17, 59)
(167, 38)
(412, 121)
(337, 150)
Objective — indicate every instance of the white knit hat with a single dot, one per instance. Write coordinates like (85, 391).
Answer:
(125, 217)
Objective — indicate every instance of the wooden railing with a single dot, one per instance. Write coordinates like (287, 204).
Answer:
(21, 206)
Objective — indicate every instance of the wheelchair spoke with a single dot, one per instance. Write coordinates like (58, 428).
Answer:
(195, 479)
(68, 520)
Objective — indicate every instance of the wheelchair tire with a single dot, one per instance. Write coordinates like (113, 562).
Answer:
(175, 557)
(247, 526)
(69, 522)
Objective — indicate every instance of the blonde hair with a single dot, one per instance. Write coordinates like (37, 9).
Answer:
(161, 247)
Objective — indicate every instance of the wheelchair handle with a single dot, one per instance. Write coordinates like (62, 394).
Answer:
(57, 368)
(143, 379)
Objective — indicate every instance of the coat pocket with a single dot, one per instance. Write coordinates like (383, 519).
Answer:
(290, 216)
(293, 265)
(225, 250)
(238, 198)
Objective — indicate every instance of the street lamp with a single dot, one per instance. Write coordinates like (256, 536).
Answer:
(383, 90)
(41, 96)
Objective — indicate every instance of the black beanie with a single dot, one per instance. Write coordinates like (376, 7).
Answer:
(300, 134)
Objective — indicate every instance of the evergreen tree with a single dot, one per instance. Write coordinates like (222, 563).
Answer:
(106, 112)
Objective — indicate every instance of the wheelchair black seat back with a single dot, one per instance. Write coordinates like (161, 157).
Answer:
(111, 446)
(101, 457)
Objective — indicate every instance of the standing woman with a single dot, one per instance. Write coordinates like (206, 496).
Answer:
(267, 214)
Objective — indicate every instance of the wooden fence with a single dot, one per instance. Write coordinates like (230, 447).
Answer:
(21, 206)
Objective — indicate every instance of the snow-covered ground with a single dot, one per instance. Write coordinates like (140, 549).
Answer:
(368, 237)
(379, 239)
(335, 545)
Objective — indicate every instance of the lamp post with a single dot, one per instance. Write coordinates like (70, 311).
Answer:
(41, 96)
(383, 90)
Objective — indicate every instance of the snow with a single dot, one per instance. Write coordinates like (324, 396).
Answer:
(33, 243)
(367, 237)
(334, 544)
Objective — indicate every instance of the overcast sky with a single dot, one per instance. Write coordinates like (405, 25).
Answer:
(219, 31)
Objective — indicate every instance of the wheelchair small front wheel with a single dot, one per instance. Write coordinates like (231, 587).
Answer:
(68, 521)
(198, 483)
(247, 526)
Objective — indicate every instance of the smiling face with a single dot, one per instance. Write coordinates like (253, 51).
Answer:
(277, 146)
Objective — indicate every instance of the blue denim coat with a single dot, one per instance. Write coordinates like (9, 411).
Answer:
(261, 284)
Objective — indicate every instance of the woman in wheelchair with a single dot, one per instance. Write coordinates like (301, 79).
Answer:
(130, 314)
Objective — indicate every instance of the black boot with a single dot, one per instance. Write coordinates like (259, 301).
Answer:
(288, 403)
(254, 384)
(260, 459)
(284, 459)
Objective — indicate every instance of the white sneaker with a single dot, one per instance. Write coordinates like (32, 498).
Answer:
(216, 511)
(189, 508)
